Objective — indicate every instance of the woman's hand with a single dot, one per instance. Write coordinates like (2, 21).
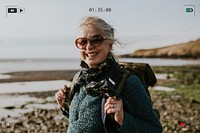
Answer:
(115, 106)
(61, 95)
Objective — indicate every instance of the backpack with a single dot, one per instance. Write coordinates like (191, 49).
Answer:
(145, 74)
(142, 70)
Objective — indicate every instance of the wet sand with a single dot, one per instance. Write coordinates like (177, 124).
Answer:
(39, 76)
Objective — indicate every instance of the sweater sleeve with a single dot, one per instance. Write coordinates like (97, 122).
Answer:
(139, 116)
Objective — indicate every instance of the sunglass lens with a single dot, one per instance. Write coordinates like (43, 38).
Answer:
(81, 42)
(96, 40)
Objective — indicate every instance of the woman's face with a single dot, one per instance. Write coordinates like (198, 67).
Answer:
(93, 54)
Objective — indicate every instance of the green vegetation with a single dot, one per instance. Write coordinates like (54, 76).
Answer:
(186, 74)
(188, 81)
(190, 92)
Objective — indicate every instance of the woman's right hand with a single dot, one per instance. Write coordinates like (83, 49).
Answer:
(61, 95)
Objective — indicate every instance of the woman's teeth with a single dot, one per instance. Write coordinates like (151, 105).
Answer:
(91, 54)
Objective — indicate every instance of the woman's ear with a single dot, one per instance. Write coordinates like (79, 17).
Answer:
(110, 46)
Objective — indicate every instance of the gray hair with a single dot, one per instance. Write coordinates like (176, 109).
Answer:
(102, 26)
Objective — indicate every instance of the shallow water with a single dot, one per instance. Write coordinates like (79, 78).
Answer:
(28, 103)
(15, 65)
(162, 88)
(33, 86)
(5, 76)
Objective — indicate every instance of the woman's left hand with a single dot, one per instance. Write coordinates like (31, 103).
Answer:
(115, 106)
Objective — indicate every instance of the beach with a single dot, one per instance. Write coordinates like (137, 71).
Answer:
(38, 118)
(38, 111)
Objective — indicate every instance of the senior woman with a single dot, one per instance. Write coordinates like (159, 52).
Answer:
(133, 113)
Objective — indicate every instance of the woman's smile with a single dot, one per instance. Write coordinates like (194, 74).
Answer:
(91, 54)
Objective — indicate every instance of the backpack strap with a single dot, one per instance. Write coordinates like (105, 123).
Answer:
(70, 93)
(125, 74)
(73, 85)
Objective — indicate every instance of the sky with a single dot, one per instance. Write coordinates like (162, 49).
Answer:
(48, 28)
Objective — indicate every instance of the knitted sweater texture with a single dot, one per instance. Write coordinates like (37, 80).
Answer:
(139, 116)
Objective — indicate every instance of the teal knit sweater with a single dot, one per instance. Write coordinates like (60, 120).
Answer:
(139, 116)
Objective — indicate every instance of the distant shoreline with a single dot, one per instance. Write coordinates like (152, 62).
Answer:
(188, 50)
(155, 57)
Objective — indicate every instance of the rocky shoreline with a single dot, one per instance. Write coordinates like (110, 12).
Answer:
(39, 120)
(176, 115)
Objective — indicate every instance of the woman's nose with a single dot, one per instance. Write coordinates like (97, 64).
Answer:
(89, 45)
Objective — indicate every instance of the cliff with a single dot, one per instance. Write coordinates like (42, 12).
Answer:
(184, 50)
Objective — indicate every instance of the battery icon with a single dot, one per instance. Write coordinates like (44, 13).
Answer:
(189, 9)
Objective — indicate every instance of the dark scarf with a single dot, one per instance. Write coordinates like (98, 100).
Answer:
(91, 77)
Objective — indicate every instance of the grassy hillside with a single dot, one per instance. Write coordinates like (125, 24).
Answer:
(184, 50)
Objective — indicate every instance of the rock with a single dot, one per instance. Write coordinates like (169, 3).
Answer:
(10, 107)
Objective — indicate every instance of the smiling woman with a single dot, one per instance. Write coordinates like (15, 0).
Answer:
(94, 42)
(88, 110)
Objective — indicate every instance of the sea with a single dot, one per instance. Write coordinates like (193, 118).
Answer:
(15, 65)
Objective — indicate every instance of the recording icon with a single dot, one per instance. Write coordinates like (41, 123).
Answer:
(12, 10)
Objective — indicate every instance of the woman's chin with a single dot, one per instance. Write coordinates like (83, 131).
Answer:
(92, 62)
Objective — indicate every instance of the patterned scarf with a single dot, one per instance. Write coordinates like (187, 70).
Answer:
(90, 77)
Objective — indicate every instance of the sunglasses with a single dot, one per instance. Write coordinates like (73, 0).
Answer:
(95, 41)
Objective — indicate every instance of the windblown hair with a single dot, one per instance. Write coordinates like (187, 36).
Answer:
(102, 26)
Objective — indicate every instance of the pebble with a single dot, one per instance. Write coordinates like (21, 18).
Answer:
(175, 116)
(173, 111)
